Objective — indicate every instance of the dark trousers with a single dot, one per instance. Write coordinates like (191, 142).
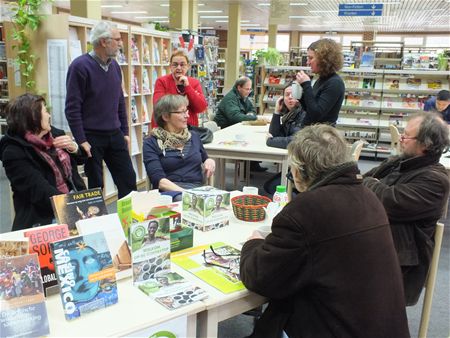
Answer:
(112, 148)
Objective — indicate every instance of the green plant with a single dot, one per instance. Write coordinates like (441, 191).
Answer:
(270, 56)
(159, 27)
(26, 20)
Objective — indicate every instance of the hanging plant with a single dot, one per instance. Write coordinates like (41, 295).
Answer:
(25, 20)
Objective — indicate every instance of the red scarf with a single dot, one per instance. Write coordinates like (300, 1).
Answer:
(44, 147)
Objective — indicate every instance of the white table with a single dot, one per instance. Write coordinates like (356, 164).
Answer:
(254, 149)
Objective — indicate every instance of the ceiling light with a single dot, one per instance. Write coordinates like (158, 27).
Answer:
(200, 5)
(161, 21)
(206, 27)
(151, 17)
(250, 25)
(111, 6)
(165, 5)
(298, 4)
(264, 4)
(211, 11)
(333, 11)
(129, 12)
(244, 21)
(303, 16)
(221, 20)
(213, 16)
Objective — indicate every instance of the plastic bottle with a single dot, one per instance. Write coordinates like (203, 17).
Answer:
(280, 196)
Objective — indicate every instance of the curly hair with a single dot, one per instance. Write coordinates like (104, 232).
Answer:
(329, 56)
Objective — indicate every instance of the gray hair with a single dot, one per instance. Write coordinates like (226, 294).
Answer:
(101, 30)
(166, 105)
(241, 81)
(316, 150)
(433, 133)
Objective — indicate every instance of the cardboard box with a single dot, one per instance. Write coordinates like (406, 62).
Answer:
(181, 236)
(206, 208)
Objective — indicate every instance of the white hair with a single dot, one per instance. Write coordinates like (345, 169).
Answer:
(100, 31)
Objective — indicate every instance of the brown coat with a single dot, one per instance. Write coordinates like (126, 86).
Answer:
(329, 266)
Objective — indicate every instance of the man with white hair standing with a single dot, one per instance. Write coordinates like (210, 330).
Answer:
(96, 112)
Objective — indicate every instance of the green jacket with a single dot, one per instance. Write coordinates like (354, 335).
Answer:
(233, 109)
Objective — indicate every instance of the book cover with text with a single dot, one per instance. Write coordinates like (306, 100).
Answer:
(11, 248)
(86, 276)
(22, 304)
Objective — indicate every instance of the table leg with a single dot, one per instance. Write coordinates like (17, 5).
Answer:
(192, 326)
(208, 323)
(284, 170)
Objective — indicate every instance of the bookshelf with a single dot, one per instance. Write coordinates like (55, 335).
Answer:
(220, 74)
(4, 78)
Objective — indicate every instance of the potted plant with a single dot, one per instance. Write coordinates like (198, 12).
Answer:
(269, 56)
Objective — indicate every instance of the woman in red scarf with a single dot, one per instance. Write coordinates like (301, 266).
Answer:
(40, 161)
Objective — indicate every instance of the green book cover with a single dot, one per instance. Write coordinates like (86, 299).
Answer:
(217, 264)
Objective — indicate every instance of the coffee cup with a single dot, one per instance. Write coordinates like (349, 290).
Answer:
(297, 90)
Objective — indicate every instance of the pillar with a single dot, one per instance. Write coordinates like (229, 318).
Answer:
(273, 29)
(179, 14)
(233, 45)
(193, 15)
(90, 9)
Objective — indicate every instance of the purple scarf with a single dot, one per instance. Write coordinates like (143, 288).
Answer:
(43, 146)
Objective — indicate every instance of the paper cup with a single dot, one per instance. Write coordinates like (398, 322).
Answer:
(250, 190)
(297, 90)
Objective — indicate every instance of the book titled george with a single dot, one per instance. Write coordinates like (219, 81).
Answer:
(11, 248)
(69, 208)
(22, 304)
(86, 276)
(172, 290)
(40, 240)
(216, 264)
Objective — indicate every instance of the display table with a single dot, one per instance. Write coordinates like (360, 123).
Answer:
(244, 142)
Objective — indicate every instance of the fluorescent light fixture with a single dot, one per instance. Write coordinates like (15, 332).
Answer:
(129, 12)
(244, 21)
(250, 25)
(211, 11)
(204, 27)
(162, 21)
(200, 5)
(152, 17)
(111, 6)
(165, 5)
(221, 20)
(298, 4)
(333, 11)
(213, 16)
(267, 4)
(303, 16)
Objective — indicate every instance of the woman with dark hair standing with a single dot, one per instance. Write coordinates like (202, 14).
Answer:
(39, 161)
(323, 100)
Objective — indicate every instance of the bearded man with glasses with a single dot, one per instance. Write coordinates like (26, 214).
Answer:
(414, 188)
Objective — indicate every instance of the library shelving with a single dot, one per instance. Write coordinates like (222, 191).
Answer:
(4, 91)
(220, 76)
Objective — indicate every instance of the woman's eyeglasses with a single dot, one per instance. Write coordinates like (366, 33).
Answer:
(183, 112)
(212, 258)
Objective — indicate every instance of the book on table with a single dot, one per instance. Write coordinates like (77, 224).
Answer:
(22, 304)
(216, 264)
(10, 248)
(39, 241)
(71, 207)
(85, 273)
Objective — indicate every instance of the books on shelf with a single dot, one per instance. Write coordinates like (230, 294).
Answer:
(370, 101)
(413, 83)
(145, 115)
(434, 84)
(39, 243)
(367, 60)
(351, 82)
(216, 264)
(352, 100)
(172, 290)
(11, 248)
(369, 83)
(146, 53)
(134, 111)
(115, 237)
(156, 55)
(145, 82)
(22, 304)
(134, 51)
(393, 83)
(86, 275)
(134, 82)
(71, 207)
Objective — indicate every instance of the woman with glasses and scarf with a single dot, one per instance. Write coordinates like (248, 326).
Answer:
(174, 157)
(177, 82)
(40, 161)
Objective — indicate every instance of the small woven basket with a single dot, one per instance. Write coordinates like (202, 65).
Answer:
(250, 208)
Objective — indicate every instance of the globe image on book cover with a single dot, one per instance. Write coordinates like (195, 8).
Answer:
(22, 303)
(85, 274)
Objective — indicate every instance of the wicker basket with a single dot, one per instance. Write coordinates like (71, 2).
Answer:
(250, 208)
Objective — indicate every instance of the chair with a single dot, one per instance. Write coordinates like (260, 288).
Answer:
(211, 125)
(395, 140)
(431, 280)
(356, 149)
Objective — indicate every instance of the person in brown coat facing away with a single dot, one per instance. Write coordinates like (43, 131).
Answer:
(329, 267)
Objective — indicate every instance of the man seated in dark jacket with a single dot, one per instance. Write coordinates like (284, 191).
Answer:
(329, 267)
(413, 188)
(236, 107)
(441, 104)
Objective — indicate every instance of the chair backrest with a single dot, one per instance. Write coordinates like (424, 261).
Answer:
(395, 140)
(211, 125)
(356, 149)
(431, 280)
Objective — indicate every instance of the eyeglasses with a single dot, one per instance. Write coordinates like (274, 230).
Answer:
(216, 259)
(176, 64)
(403, 137)
(183, 112)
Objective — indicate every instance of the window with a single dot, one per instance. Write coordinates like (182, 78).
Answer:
(437, 41)
(413, 41)
(336, 38)
(253, 41)
(308, 39)
(283, 42)
(347, 39)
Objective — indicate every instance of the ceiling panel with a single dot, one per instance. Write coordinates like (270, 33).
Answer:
(321, 15)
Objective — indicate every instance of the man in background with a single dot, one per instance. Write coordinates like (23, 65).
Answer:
(236, 107)
(441, 104)
(96, 112)
(414, 187)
